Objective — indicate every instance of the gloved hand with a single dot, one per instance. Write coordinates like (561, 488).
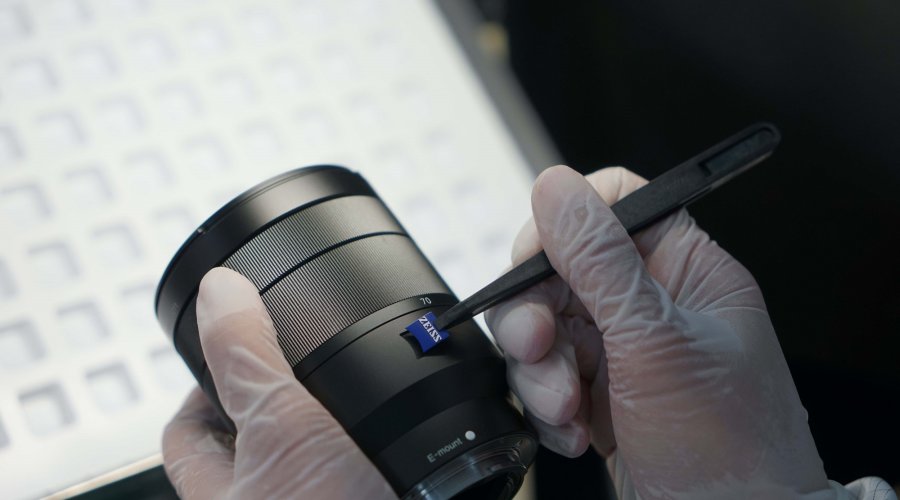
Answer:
(287, 444)
(657, 350)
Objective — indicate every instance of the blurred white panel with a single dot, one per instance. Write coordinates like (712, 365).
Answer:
(147, 173)
(137, 304)
(125, 123)
(82, 326)
(115, 247)
(85, 188)
(14, 25)
(119, 116)
(53, 265)
(23, 205)
(31, 77)
(59, 131)
(92, 63)
(151, 50)
(111, 388)
(47, 409)
(7, 285)
(170, 371)
(10, 151)
(19, 345)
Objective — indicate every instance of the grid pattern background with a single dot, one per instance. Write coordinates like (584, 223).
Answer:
(124, 123)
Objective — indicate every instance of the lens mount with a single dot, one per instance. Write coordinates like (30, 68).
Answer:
(493, 470)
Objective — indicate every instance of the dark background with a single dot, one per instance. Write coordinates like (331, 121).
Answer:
(649, 84)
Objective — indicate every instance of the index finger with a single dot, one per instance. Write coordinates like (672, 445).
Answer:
(611, 183)
(524, 326)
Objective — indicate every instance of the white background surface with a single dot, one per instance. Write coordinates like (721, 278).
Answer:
(124, 123)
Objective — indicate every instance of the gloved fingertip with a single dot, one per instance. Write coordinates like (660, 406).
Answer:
(576, 440)
(551, 172)
(525, 331)
(614, 183)
(570, 439)
(526, 244)
(557, 185)
(224, 292)
(550, 388)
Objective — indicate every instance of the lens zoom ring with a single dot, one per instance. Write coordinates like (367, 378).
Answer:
(302, 235)
(337, 289)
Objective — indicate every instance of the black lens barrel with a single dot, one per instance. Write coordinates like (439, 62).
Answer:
(342, 280)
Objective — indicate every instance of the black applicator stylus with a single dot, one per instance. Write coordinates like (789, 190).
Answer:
(663, 195)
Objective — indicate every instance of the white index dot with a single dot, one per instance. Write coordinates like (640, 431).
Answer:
(19, 345)
(470, 435)
(53, 264)
(112, 388)
(47, 410)
(23, 206)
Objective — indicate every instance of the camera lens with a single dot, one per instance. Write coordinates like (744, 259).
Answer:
(342, 280)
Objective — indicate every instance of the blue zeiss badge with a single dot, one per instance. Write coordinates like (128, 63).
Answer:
(425, 331)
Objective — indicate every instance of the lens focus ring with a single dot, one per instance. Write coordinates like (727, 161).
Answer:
(321, 269)
(341, 287)
(276, 250)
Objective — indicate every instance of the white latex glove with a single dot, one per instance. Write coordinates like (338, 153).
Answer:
(287, 444)
(685, 391)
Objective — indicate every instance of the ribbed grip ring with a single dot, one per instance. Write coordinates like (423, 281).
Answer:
(339, 288)
(298, 237)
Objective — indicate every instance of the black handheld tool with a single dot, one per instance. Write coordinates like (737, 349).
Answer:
(663, 195)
